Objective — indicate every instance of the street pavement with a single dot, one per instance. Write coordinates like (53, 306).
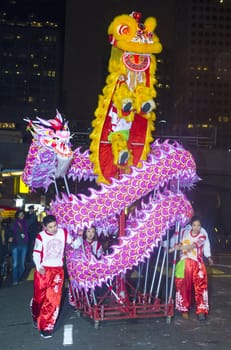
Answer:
(17, 332)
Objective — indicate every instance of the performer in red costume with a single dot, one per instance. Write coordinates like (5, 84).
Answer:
(191, 271)
(48, 257)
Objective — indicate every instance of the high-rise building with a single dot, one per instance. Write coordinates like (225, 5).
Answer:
(203, 69)
(31, 57)
(31, 49)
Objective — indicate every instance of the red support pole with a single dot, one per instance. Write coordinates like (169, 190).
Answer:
(121, 289)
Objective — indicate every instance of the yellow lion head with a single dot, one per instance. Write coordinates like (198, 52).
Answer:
(127, 33)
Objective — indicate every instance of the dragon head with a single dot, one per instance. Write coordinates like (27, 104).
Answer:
(53, 134)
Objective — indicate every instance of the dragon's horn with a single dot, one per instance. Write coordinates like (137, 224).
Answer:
(44, 122)
(59, 116)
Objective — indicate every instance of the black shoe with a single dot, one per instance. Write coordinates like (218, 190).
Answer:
(34, 322)
(46, 334)
(123, 158)
(201, 317)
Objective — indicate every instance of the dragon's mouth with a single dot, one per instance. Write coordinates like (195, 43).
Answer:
(63, 150)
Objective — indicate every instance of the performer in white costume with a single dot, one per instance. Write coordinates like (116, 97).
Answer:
(48, 256)
(191, 271)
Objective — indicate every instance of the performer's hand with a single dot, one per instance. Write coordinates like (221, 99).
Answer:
(42, 270)
(187, 247)
(80, 232)
(176, 247)
(210, 261)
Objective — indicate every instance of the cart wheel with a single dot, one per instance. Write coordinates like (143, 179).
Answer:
(168, 319)
(96, 324)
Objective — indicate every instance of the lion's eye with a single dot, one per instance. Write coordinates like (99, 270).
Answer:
(148, 106)
(127, 106)
(141, 26)
(123, 29)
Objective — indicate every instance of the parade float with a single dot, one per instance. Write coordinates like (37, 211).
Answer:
(141, 183)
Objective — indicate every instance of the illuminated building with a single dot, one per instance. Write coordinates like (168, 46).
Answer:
(203, 71)
(31, 51)
(31, 65)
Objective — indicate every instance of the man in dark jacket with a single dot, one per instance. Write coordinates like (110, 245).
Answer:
(34, 227)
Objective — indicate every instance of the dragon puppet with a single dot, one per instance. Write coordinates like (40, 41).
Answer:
(147, 167)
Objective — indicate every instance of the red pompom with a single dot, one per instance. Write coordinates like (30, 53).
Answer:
(137, 16)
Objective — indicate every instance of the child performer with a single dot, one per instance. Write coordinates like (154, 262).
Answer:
(91, 244)
(90, 247)
(48, 255)
(191, 271)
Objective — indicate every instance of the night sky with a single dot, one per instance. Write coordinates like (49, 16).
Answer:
(51, 10)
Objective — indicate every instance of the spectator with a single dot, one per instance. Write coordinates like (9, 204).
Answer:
(18, 237)
(3, 251)
(33, 229)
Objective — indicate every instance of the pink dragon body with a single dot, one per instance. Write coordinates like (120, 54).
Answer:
(168, 168)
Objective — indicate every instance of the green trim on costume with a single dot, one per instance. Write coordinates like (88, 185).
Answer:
(180, 267)
(124, 133)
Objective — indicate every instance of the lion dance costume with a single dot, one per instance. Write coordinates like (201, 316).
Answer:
(125, 115)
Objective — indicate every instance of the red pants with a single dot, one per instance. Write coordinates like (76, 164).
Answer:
(195, 277)
(47, 297)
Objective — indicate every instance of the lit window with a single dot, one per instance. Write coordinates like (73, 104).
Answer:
(4, 125)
